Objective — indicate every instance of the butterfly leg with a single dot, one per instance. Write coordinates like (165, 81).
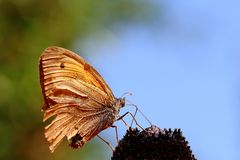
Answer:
(106, 142)
(116, 131)
(135, 113)
(128, 113)
(125, 122)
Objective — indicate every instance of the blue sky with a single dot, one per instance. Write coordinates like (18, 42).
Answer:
(183, 71)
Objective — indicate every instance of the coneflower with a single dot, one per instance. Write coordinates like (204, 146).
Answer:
(153, 143)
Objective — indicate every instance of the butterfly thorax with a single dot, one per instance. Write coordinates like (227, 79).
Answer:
(113, 112)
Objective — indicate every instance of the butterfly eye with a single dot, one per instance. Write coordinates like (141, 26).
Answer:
(122, 102)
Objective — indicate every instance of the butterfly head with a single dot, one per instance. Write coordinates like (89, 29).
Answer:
(120, 103)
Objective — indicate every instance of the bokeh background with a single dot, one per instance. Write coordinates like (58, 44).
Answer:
(179, 59)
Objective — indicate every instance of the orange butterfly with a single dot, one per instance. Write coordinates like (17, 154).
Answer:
(78, 97)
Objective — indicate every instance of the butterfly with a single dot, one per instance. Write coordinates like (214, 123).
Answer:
(76, 95)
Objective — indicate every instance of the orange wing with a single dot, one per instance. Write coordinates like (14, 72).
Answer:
(59, 65)
(76, 94)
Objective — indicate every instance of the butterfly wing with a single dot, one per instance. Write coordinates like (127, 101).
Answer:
(76, 94)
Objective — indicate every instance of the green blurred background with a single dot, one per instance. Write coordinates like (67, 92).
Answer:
(27, 27)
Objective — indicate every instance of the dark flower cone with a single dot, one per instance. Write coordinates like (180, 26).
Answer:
(153, 143)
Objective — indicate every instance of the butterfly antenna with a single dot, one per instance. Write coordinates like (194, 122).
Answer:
(137, 109)
(126, 93)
